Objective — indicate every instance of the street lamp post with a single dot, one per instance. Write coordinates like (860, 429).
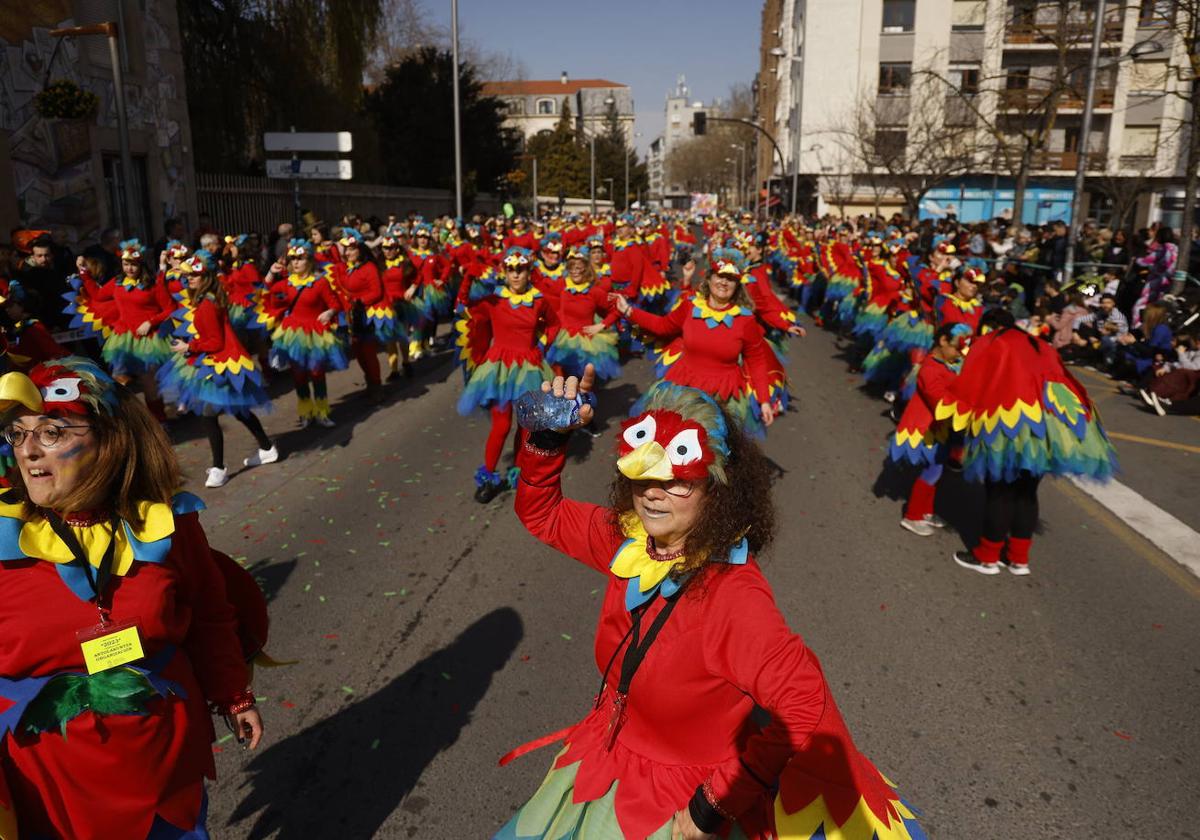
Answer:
(592, 141)
(741, 178)
(1137, 50)
(535, 197)
(793, 128)
(611, 187)
(625, 198)
(458, 201)
(114, 53)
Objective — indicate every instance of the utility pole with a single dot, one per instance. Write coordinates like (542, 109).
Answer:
(1085, 130)
(458, 201)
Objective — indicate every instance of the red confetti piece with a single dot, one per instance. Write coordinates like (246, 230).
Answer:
(288, 704)
(454, 707)
(317, 541)
(525, 658)
(882, 607)
(331, 635)
(1124, 736)
(1157, 626)
(218, 750)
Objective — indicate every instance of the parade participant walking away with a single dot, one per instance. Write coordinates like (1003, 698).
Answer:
(506, 334)
(1024, 416)
(98, 555)
(689, 624)
(370, 313)
(303, 307)
(218, 375)
(922, 440)
(137, 344)
(723, 351)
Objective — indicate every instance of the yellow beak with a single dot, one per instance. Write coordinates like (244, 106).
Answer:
(648, 462)
(18, 389)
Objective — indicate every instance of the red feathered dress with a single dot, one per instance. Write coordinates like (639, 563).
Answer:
(108, 776)
(724, 649)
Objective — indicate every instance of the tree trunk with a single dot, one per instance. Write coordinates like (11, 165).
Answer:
(1022, 180)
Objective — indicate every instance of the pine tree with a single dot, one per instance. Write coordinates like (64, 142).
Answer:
(562, 162)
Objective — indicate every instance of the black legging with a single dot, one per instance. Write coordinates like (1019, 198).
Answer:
(1011, 508)
(216, 440)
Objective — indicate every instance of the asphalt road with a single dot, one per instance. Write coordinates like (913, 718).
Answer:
(433, 634)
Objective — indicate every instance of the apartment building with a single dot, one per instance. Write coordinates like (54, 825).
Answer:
(844, 76)
(534, 106)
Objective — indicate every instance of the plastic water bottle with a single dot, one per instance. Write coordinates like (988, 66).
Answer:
(537, 410)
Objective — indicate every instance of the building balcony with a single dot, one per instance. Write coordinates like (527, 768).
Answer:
(1072, 35)
(1027, 100)
(1069, 161)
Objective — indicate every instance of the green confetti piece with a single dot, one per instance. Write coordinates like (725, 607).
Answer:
(594, 591)
(316, 562)
(472, 517)
(403, 592)
(389, 594)
(307, 587)
(427, 528)
(445, 676)
(301, 553)
(385, 543)
(352, 550)
(566, 636)
(347, 689)
(322, 598)
(258, 699)
(224, 738)
(375, 744)
(285, 545)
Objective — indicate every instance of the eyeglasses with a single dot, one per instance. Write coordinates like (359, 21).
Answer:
(48, 436)
(676, 487)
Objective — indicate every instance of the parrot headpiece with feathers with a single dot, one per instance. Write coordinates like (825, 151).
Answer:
(676, 433)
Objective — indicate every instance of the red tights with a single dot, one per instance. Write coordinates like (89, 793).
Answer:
(501, 426)
(366, 350)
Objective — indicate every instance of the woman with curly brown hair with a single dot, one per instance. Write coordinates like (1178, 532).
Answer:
(689, 642)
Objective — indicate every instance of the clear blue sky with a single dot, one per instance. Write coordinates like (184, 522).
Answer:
(645, 44)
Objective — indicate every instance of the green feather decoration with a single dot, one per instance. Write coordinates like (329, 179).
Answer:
(118, 691)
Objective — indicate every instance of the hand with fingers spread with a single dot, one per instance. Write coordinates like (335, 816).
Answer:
(683, 827)
(569, 388)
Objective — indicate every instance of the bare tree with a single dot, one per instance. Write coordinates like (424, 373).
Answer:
(906, 145)
(1124, 189)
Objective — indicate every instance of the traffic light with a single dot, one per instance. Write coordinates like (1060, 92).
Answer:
(699, 123)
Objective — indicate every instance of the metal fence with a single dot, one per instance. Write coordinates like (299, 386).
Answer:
(249, 203)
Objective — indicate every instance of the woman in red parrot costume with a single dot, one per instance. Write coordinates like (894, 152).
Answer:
(961, 303)
(1023, 416)
(777, 320)
(28, 342)
(721, 349)
(689, 641)
(113, 746)
(400, 287)
(365, 299)
(586, 319)
(505, 344)
(303, 308)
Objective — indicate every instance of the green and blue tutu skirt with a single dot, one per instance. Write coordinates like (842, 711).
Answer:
(438, 303)
(127, 354)
(502, 378)
(870, 321)
(572, 351)
(908, 331)
(315, 351)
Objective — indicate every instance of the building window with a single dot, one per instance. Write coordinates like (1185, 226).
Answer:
(1156, 13)
(516, 107)
(899, 15)
(968, 15)
(1017, 78)
(1148, 76)
(965, 78)
(895, 79)
(889, 144)
(1139, 141)
(545, 107)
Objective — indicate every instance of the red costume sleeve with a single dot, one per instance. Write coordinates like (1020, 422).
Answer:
(550, 323)
(610, 313)
(38, 344)
(664, 326)
(166, 304)
(212, 642)
(210, 332)
(749, 644)
(95, 291)
(327, 295)
(580, 530)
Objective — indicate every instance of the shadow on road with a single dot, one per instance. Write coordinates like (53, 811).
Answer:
(959, 502)
(344, 776)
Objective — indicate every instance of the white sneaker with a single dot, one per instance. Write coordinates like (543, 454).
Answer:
(934, 521)
(1146, 398)
(326, 422)
(262, 456)
(1159, 405)
(304, 422)
(917, 526)
(216, 477)
(889, 396)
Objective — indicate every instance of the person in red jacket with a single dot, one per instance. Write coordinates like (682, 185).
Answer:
(962, 305)
(549, 272)
(400, 287)
(922, 440)
(586, 335)
(722, 349)
(115, 745)
(689, 641)
(29, 342)
(505, 341)
(217, 376)
(303, 308)
(138, 343)
(371, 314)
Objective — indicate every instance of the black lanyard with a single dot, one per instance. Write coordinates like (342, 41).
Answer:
(98, 580)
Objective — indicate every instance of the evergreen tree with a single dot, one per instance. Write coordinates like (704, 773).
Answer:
(562, 162)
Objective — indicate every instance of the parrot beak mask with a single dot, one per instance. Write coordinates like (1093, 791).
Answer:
(678, 436)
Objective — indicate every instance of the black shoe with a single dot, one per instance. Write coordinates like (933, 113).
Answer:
(408, 370)
(394, 376)
(484, 493)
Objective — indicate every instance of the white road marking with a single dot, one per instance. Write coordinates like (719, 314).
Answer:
(1171, 535)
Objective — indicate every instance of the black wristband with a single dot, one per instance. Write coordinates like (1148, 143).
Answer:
(707, 818)
(548, 439)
